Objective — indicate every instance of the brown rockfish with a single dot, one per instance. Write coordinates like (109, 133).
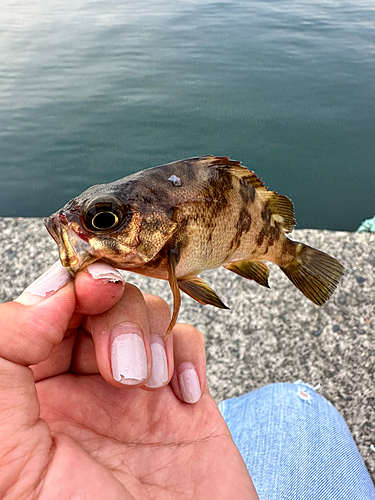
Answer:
(173, 221)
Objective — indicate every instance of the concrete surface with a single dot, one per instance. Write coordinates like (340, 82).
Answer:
(267, 335)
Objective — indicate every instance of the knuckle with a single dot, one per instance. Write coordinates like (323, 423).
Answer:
(189, 332)
(133, 290)
(157, 303)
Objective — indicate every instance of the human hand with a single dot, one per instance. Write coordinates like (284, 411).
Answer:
(69, 430)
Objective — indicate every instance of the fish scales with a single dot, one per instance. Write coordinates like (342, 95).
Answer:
(173, 221)
(223, 227)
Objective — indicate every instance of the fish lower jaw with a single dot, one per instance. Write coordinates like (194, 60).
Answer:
(76, 262)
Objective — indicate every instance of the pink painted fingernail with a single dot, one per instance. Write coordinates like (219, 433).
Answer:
(189, 382)
(128, 355)
(159, 374)
(47, 284)
(101, 270)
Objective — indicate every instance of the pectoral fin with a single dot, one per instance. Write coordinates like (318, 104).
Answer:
(173, 259)
(252, 270)
(198, 289)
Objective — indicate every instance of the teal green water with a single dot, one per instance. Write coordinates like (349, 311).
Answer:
(91, 91)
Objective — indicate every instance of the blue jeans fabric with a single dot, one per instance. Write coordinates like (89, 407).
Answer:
(296, 445)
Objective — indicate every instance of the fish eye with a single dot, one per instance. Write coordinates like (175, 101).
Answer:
(103, 214)
(105, 220)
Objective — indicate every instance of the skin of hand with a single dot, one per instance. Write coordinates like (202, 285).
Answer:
(69, 430)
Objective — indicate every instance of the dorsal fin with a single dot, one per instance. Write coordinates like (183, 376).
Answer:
(280, 205)
(235, 168)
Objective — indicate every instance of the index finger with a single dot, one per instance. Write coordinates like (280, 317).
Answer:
(97, 288)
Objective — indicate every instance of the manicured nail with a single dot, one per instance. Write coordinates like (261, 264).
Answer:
(128, 355)
(48, 283)
(189, 382)
(101, 270)
(159, 374)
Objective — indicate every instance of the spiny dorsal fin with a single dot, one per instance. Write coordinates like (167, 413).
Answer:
(198, 289)
(257, 271)
(280, 205)
(235, 167)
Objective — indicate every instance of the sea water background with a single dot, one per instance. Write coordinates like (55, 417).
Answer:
(91, 91)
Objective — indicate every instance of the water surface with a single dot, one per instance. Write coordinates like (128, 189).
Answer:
(91, 91)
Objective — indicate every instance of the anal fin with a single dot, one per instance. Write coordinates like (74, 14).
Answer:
(252, 270)
(198, 289)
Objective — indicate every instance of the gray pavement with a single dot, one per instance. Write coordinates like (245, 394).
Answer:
(267, 335)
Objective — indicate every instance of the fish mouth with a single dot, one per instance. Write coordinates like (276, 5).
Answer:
(74, 247)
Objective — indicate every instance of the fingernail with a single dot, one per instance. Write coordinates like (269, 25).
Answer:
(128, 355)
(101, 270)
(48, 283)
(159, 374)
(189, 382)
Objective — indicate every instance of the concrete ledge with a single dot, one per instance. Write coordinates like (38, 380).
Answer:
(268, 335)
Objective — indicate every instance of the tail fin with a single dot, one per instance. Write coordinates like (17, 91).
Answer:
(315, 273)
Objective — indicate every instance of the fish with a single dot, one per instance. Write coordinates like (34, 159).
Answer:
(173, 221)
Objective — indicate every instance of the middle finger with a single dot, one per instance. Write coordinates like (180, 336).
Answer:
(122, 342)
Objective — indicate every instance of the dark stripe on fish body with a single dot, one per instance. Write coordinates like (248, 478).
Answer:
(260, 237)
(247, 191)
(225, 180)
(217, 192)
(243, 226)
(272, 234)
(244, 221)
(209, 237)
(266, 214)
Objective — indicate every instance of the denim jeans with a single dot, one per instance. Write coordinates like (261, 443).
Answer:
(296, 445)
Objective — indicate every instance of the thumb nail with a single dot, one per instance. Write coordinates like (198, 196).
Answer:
(46, 285)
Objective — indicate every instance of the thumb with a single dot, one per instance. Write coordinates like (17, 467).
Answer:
(27, 336)
(29, 332)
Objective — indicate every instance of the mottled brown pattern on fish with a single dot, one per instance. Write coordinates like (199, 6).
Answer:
(189, 216)
(266, 214)
(243, 226)
(260, 237)
(217, 195)
(247, 191)
(200, 219)
(272, 235)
